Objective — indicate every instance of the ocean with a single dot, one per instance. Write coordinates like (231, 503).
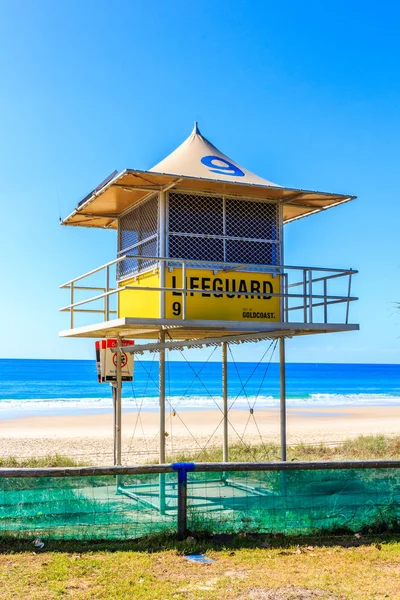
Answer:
(29, 387)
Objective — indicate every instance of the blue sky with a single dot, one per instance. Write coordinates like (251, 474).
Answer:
(304, 94)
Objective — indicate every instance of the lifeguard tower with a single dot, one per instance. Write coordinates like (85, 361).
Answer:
(200, 261)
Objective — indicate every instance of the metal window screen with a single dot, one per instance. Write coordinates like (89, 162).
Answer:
(196, 214)
(138, 236)
(247, 251)
(196, 248)
(248, 219)
(223, 229)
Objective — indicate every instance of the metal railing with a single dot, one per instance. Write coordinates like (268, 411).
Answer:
(298, 288)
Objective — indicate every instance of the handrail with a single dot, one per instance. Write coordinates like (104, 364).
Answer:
(211, 264)
(201, 291)
(311, 300)
(341, 274)
(100, 297)
(109, 264)
(198, 468)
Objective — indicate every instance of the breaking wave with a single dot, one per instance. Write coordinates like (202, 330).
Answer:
(195, 402)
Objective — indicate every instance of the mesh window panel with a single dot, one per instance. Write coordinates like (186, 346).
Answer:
(131, 266)
(196, 214)
(259, 253)
(135, 227)
(202, 227)
(247, 219)
(196, 248)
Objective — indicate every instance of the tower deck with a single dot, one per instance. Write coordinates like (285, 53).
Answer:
(150, 329)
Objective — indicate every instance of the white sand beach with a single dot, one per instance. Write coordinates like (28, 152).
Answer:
(89, 437)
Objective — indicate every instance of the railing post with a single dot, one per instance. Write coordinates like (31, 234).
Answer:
(325, 301)
(305, 295)
(72, 302)
(286, 275)
(183, 290)
(107, 298)
(348, 301)
(310, 297)
(282, 288)
(182, 469)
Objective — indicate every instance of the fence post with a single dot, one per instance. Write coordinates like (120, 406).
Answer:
(182, 469)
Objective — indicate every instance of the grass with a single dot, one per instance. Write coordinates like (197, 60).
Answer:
(245, 568)
(363, 447)
(52, 460)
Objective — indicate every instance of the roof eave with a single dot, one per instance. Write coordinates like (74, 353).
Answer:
(176, 178)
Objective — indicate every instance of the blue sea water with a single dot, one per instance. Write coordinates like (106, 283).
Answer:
(69, 386)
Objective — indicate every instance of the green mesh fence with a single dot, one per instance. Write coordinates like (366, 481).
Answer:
(81, 507)
(294, 502)
(132, 506)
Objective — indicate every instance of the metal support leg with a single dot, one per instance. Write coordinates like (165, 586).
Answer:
(282, 371)
(161, 383)
(225, 448)
(114, 401)
(118, 408)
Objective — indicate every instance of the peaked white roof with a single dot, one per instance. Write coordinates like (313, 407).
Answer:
(196, 166)
(198, 157)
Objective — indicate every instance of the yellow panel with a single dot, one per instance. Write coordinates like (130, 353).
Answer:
(216, 306)
(140, 304)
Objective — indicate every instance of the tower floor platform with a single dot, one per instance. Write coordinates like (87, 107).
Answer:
(150, 329)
